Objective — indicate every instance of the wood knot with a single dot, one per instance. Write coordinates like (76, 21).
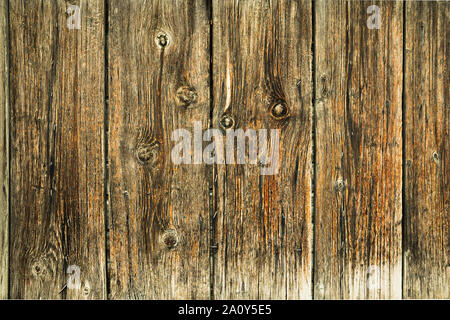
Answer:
(279, 111)
(227, 122)
(147, 154)
(436, 157)
(170, 238)
(324, 92)
(86, 289)
(339, 185)
(147, 148)
(162, 39)
(186, 96)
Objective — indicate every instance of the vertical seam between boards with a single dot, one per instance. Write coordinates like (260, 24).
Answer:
(212, 171)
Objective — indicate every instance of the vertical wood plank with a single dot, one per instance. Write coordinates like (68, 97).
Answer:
(57, 161)
(359, 151)
(427, 111)
(158, 82)
(4, 147)
(263, 228)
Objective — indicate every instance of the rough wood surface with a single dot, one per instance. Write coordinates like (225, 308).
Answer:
(359, 151)
(57, 161)
(427, 112)
(159, 215)
(4, 147)
(357, 209)
(263, 230)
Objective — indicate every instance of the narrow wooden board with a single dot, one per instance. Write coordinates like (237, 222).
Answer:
(427, 115)
(57, 160)
(158, 53)
(262, 226)
(4, 147)
(358, 223)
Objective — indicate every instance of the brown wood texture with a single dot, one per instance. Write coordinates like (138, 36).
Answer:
(159, 212)
(358, 208)
(358, 222)
(427, 112)
(263, 223)
(4, 153)
(57, 160)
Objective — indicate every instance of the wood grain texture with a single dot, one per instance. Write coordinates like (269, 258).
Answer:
(358, 209)
(159, 216)
(57, 166)
(262, 228)
(427, 112)
(358, 251)
(4, 147)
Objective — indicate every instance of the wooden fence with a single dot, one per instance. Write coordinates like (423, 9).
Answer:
(92, 206)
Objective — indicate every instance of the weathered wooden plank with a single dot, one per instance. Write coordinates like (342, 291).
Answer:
(57, 161)
(158, 82)
(427, 111)
(263, 229)
(359, 150)
(4, 147)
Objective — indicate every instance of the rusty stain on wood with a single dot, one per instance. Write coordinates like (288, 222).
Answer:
(358, 251)
(260, 50)
(426, 126)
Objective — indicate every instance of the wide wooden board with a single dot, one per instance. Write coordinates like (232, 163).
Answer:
(427, 115)
(262, 225)
(158, 53)
(358, 221)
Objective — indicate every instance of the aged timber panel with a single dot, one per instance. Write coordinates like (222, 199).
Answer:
(359, 150)
(262, 80)
(159, 216)
(57, 161)
(427, 111)
(4, 150)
